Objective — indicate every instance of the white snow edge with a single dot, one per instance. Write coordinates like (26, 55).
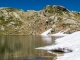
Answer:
(71, 41)
(61, 33)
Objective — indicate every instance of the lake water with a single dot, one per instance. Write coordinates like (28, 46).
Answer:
(23, 47)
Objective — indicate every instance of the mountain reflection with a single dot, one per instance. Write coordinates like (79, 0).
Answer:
(21, 47)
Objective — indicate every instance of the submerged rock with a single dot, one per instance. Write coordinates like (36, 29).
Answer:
(61, 50)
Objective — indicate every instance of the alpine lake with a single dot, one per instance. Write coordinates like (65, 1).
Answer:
(23, 47)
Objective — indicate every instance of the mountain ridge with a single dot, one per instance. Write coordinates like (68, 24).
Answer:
(18, 22)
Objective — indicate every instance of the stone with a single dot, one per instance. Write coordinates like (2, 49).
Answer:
(69, 21)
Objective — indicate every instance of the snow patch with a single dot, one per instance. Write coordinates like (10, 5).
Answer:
(61, 33)
(46, 32)
(69, 43)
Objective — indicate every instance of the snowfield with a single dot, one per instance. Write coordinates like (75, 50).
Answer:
(69, 45)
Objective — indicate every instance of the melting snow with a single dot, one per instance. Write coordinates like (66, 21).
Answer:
(46, 32)
(67, 43)
(61, 33)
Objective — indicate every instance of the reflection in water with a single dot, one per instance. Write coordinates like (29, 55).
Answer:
(8, 47)
(23, 48)
(48, 39)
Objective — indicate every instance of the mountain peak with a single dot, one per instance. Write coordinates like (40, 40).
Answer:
(55, 8)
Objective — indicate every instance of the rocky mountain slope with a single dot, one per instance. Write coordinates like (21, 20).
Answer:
(17, 22)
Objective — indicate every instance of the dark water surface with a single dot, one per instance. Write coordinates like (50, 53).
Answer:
(23, 47)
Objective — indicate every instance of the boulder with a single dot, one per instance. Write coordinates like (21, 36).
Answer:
(69, 21)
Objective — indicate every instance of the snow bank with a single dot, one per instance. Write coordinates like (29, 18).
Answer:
(66, 44)
(61, 33)
(46, 32)
(70, 56)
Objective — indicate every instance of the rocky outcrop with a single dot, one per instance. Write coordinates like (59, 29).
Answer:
(69, 21)
(17, 22)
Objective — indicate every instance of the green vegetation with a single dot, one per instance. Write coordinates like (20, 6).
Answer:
(60, 13)
(14, 21)
(11, 9)
(8, 25)
(38, 20)
(50, 9)
(65, 25)
(17, 23)
(60, 19)
(3, 21)
(8, 20)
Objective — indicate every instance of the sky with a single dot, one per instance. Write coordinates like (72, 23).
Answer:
(40, 4)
